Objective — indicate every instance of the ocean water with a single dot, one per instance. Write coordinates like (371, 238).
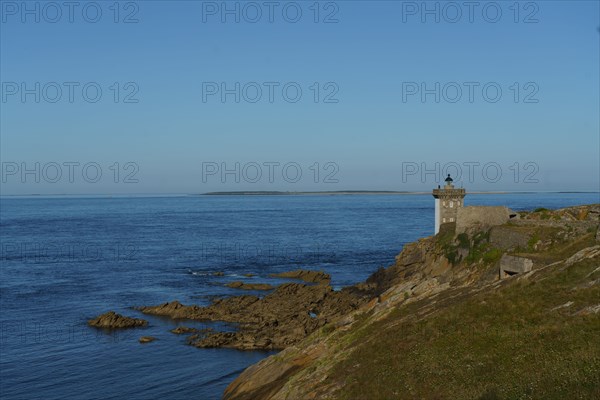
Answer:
(66, 260)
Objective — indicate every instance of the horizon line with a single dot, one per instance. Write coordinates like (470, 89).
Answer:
(290, 193)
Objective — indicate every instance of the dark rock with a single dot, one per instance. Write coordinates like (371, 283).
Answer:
(113, 320)
(147, 339)
(305, 275)
(183, 329)
(276, 321)
(249, 286)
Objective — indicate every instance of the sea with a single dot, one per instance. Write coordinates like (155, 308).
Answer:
(65, 260)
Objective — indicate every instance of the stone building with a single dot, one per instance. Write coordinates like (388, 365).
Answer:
(447, 202)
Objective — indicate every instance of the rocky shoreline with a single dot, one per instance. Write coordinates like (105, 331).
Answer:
(427, 305)
(280, 319)
(301, 318)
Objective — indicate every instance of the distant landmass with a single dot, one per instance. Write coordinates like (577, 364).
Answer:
(338, 192)
(280, 193)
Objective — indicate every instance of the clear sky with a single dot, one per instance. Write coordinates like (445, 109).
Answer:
(396, 92)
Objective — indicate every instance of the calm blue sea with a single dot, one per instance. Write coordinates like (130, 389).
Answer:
(65, 260)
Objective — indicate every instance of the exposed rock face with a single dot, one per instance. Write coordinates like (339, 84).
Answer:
(481, 218)
(590, 213)
(113, 320)
(306, 276)
(587, 253)
(262, 380)
(249, 286)
(280, 319)
(417, 262)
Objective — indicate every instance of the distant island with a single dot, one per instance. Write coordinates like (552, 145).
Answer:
(337, 192)
(281, 193)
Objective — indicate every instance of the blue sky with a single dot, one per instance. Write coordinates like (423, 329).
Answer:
(372, 138)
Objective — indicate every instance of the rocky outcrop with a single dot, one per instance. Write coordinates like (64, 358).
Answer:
(418, 261)
(249, 286)
(264, 379)
(112, 320)
(146, 339)
(280, 319)
(180, 330)
(589, 213)
(306, 276)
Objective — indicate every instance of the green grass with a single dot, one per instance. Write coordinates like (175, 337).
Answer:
(446, 243)
(532, 241)
(502, 344)
(561, 251)
(492, 255)
(478, 248)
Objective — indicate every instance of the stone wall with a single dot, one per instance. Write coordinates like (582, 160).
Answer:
(509, 237)
(480, 217)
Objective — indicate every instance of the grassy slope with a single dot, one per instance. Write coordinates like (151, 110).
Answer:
(506, 343)
(478, 338)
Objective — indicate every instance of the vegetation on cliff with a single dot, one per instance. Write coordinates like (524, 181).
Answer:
(443, 325)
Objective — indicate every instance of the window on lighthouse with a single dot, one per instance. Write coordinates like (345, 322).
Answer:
(451, 204)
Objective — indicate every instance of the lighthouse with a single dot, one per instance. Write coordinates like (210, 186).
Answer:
(447, 202)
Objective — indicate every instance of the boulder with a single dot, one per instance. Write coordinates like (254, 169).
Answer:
(147, 339)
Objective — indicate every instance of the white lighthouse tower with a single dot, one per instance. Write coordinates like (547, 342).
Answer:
(447, 202)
